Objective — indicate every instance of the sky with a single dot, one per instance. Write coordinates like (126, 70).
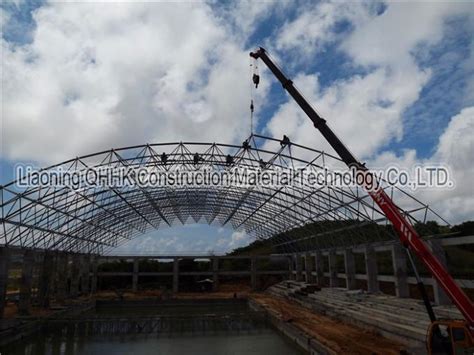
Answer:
(395, 81)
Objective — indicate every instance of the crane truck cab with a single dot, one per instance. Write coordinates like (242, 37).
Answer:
(451, 337)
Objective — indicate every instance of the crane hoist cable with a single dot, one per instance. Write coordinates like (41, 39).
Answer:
(255, 79)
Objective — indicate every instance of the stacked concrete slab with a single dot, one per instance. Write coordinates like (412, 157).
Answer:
(404, 320)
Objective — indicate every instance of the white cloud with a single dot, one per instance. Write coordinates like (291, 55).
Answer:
(316, 25)
(239, 238)
(99, 75)
(365, 110)
(190, 239)
(356, 109)
(391, 38)
(455, 150)
(243, 17)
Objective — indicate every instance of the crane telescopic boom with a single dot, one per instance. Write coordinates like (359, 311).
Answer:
(407, 234)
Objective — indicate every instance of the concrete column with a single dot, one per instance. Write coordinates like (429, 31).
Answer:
(24, 301)
(135, 275)
(371, 269)
(319, 268)
(46, 279)
(309, 261)
(332, 268)
(55, 275)
(440, 296)
(62, 274)
(349, 266)
(253, 273)
(85, 274)
(298, 266)
(94, 274)
(215, 273)
(399, 261)
(4, 266)
(75, 270)
(291, 267)
(176, 275)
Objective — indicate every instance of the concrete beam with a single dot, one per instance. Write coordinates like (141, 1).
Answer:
(349, 266)
(24, 301)
(371, 269)
(4, 267)
(399, 261)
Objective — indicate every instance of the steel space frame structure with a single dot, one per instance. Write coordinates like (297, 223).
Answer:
(98, 219)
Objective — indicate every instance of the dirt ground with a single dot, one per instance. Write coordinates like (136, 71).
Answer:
(225, 291)
(11, 311)
(338, 336)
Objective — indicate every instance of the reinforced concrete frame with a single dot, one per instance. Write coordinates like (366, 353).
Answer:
(68, 266)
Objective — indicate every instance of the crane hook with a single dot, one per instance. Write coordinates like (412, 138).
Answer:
(256, 80)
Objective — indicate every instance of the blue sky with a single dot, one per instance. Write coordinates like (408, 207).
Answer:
(394, 80)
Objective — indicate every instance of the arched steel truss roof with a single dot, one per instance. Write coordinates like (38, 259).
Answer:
(99, 218)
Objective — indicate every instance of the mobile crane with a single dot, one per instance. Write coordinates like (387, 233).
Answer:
(444, 336)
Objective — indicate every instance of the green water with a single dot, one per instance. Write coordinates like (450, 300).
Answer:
(267, 342)
(249, 342)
